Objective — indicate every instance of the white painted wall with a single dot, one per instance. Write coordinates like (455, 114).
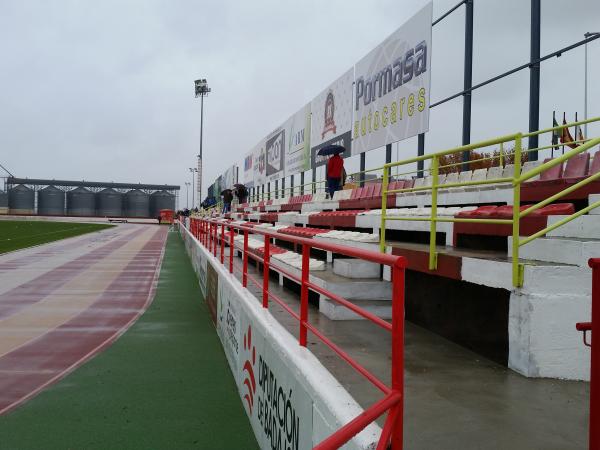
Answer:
(332, 405)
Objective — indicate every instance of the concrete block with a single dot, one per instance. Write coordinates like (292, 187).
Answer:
(564, 250)
(543, 341)
(355, 268)
(334, 311)
(587, 226)
(593, 198)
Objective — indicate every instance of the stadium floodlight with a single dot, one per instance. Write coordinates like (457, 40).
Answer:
(585, 83)
(201, 89)
(193, 170)
(187, 194)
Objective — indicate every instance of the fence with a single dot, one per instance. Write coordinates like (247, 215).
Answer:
(516, 181)
(214, 235)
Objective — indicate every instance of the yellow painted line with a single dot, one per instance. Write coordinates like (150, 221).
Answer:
(70, 300)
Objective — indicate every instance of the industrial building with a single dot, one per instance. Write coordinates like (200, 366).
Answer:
(27, 196)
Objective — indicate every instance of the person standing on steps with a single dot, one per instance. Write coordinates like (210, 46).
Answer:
(335, 168)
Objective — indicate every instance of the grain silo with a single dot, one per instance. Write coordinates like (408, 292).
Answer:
(3, 202)
(51, 201)
(109, 203)
(21, 200)
(161, 200)
(81, 202)
(137, 204)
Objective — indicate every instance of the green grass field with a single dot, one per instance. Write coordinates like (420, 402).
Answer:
(17, 234)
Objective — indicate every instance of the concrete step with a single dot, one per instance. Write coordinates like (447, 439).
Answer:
(586, 226)
(334, 311)
(593, 198)
(576, 251)
(355, 268)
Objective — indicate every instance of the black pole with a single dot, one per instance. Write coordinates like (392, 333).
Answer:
(420, 152)
(534, 78)
(291, 185)
(468, 80)
(314, 180)
(388, 157)
(283, 187)
(363, 162)
(302, 183)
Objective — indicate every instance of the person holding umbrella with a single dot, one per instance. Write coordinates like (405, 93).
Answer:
(241, 193)
(227, 199)
(335, 167)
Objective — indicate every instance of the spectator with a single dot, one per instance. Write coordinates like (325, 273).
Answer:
(227, 199)
(335, 168)
(241, 193)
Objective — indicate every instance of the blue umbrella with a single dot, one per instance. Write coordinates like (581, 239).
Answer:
(331, 150)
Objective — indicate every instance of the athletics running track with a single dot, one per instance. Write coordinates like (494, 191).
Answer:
(61, 303)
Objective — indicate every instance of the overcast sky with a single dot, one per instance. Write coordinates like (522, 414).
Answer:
(103, 90)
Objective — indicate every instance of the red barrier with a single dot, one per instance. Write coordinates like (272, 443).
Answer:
(592, 327)
(393, 400)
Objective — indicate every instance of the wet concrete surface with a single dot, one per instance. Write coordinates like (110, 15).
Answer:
(454, 398)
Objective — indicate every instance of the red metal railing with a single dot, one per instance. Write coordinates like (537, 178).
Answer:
(211, 232)
(592, 327)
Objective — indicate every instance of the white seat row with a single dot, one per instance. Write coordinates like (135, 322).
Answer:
(350, 236)
(441, 211)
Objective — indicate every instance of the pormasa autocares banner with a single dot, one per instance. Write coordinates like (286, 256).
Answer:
(391, 86)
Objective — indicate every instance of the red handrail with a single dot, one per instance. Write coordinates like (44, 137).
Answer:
(206, 232)
(592, 327)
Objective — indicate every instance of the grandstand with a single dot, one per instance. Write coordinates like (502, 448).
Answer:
(509, 283)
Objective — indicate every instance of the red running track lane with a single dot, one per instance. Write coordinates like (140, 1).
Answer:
(32, 367)
(37, 289)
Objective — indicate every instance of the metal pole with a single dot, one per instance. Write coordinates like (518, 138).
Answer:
(200, 154)
(534, 78)
(363, 163)
(420, 152)
(468, 81)
(192, 188)
(585, 116)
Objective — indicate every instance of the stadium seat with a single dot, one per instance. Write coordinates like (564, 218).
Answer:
(553, 173)
(577, 166)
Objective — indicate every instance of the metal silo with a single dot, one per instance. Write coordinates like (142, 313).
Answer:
(3, 202)
(110, 203)
(137, 204)
(81, 202)
(161, 200)
(51, 201)
(21, 200)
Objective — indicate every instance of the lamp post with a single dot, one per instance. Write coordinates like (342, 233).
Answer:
(193, 170)
(187, 194)
(201, 90)
(585, 94)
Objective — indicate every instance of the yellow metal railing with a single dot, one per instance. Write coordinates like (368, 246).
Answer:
(516, 180)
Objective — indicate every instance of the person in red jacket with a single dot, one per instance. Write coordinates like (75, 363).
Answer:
(335, 168)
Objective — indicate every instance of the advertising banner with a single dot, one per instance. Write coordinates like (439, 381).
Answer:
(279, 408)
(259, 164)
(275, 154)
(229, 178)
(297, 155)
(391, 86)
(212, 291)
(331, 121)
(228, 326)
(248, 175)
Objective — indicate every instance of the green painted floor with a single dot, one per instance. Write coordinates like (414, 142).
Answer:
(165, 384)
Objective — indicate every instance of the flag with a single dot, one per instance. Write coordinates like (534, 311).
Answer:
(566, 137)
(555, 133)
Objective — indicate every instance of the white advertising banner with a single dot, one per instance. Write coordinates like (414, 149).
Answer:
(275, 145)
(229, 178)
(279, 408)
(297, 155)
(228, 326)
(331, 121)
(259, 164)
(392, 84)
(248, 176)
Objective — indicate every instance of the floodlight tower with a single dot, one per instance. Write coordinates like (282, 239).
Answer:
(193, 170)
(187, 194)
(201, 90)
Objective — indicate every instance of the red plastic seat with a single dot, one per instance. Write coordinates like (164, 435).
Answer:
(355, 193)
(577, 166)
(562, 209)
(368, 191)
(377, 190)
(409, 183)
(553, 173)
(480, 212)
(595, 166)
